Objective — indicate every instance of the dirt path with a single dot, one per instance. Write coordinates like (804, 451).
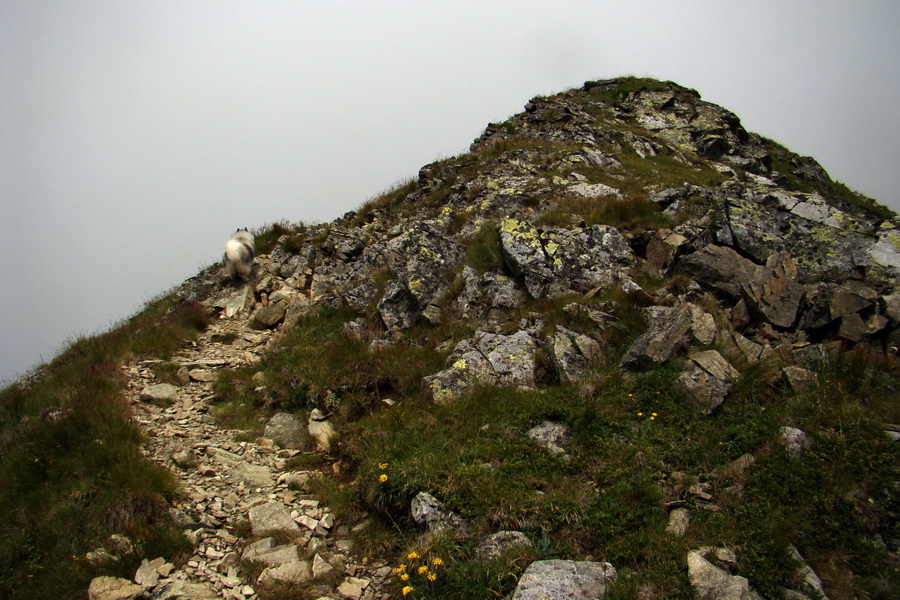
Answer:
(232, 487)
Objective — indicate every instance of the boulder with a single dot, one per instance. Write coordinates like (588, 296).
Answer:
(774, 294)
(298, 571)
(488, 358)
(710, 582)
(286, 430)
(795, 441)
(430, 513)
(161, 393)
(557, 261)
(670, 330)
(398, 308)
(573, 354)
(708, 381)
(497, 544)
(552, 436)
(176, 589)
(546, 579)
(113, 588)
(719, 267)
(272, 516)
(321, 430)
(267, 317)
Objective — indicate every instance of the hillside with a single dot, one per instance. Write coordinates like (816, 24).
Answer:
(621, 344)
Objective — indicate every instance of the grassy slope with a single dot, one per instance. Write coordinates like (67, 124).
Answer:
(71, 472)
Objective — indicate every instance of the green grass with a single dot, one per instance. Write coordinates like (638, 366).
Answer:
(71, 472)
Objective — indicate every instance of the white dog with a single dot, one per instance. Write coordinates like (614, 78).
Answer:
(239, 252)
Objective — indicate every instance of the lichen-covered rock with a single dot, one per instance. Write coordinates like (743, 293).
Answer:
(774, 293)
(497, 544)
(557, 261)
(575, 580)
(398, 307)
(572, 354)
(486, 359)
(430, 513)
(551, 436)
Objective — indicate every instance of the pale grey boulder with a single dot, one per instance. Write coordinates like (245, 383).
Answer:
(557, 579)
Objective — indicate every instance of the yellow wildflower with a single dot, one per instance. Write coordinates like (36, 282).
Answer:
(423, 569)
(383, 478)
(437, 562)
(655, 415)
(407, 590)
(640, 414)
(404, 577)
(432, 576)
(382, 466)
(400, 569)
(412, 556)
(652, 418)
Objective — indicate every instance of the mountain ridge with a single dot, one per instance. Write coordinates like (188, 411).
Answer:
(620, 339)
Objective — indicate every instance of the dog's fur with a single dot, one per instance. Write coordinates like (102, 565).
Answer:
(239, 253)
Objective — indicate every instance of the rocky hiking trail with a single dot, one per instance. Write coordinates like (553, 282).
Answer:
(228, 484)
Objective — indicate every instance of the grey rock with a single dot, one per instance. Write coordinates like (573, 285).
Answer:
(710, 582)
(488, 358)
(321, 430)
(552, 436)
(147, 575)
(795, 441)
(670, 329)
(161, 393)
(398, 308)
(252, 475)
(663, 248)
(798, 378)
(269, 316)
(176, 589)
(286, 430)
(775, 294)
(430, 513)
(272, 516)
(556, 579)
(809, 581)
(573, 354)
(497, 544)
(298, 571)
(558, 261)
(708, 382)
(679, 521)
(719, 267)
(113, 588)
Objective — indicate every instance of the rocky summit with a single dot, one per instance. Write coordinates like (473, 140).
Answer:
(620, 243)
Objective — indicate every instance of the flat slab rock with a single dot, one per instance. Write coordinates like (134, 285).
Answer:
(555, 579)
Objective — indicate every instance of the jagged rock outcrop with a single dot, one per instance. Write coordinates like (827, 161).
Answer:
(620, 193)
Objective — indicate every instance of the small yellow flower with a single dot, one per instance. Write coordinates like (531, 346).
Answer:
(437, 562)
(382, 466)
(400, 569)
(423, 569)
(640, 414)
(432, 576)
(412, 556)
(631, 395)
(655, 415)
(652, 418)
(383, 478)
(407, 590)
(404, 577)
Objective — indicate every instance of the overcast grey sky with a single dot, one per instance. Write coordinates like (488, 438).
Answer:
(135, 136)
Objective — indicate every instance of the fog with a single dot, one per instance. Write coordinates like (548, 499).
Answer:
(136, 136)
